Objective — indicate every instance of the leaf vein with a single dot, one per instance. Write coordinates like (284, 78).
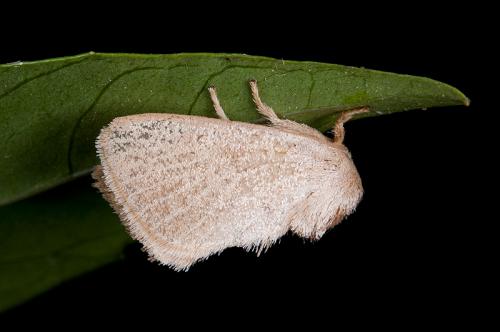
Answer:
(26, 81)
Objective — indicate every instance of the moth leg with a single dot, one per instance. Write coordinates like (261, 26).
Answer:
(282, 124)
(215, 101)
(338, 129)
(262, 108)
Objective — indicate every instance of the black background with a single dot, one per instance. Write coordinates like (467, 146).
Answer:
(416, 249)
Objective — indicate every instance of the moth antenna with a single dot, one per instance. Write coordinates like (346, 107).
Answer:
(215, 100)
(343, 118)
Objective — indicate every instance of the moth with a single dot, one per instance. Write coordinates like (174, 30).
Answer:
(188, 187)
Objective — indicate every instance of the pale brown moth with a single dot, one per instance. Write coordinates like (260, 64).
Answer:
(188, 187)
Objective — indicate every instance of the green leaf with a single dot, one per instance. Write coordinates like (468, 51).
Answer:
(52, 237)
(51, 111)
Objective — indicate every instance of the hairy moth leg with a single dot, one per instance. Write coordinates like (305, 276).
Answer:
(215, 101)
(338, 128)
(263, 109)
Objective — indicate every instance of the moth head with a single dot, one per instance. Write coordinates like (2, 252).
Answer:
(340, 192)
(349, 193)
(349, 181)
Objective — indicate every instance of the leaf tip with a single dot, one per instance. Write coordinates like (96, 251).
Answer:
(466, 101)
(455, 96)
(461, 97)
